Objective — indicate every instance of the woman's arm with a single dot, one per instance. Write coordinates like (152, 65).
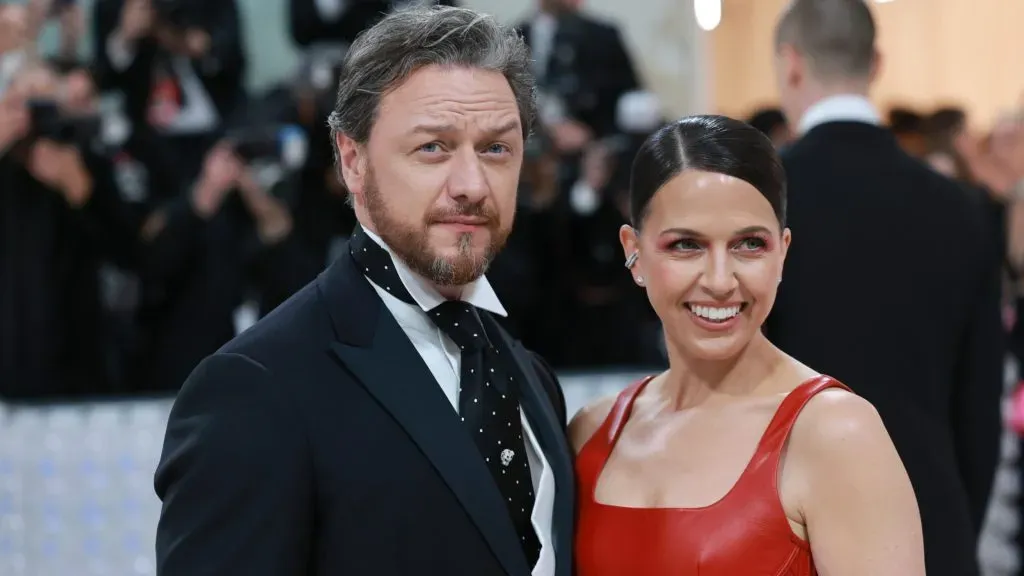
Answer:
(854, 494)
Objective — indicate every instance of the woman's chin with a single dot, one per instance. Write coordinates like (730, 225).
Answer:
(713, 348)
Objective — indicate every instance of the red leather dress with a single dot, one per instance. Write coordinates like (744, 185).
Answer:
(746, 533)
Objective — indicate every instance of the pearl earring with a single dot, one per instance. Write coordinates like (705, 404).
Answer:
(640, 280)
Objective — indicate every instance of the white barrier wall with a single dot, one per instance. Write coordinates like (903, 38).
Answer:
(76, 486)
(76, 483)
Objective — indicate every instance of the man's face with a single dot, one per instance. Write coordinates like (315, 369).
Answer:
(437, 180)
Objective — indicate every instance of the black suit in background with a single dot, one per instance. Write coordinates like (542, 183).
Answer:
(308, 25)
(589, 68)
(319, 443)
(892, 286)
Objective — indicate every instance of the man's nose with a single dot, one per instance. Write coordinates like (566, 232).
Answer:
(466, 180)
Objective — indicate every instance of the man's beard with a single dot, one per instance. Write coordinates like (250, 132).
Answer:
(412, 244)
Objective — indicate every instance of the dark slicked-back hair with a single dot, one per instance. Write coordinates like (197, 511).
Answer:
(708, 143)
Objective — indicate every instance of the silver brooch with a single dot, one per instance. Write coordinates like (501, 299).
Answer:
(506, 457)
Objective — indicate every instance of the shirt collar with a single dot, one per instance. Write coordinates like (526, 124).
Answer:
(839, 108)
(479, 292)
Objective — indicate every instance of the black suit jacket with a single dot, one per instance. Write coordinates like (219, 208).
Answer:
(319, 443)
(892, 286)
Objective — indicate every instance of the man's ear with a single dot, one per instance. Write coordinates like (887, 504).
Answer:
(876, 66)
(793, 65)
(351, 163)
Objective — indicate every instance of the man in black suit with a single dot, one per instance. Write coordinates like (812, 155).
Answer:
(380, 422)
(890, 285)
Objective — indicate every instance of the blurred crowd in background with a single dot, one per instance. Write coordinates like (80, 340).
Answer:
(152, 206)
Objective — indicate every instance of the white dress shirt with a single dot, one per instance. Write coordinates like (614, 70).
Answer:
(443, 357)
(839, 108)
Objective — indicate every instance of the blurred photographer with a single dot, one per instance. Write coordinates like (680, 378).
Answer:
(215, 246)
(323, 218)
(180, 65)
(59, 220)
(996, 163)
(604, 303)
(582, 68)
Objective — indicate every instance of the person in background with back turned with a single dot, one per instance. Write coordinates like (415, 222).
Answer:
(896, 265)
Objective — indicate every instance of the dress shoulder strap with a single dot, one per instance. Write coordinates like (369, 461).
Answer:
(775, 436)
(619, 414)
(592, 457)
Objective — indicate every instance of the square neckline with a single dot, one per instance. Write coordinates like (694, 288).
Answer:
(627, 411)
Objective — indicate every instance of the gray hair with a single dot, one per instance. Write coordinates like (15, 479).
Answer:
(837, 36)
(409, 39)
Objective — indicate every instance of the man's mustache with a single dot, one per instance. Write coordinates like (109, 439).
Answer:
(475, 210)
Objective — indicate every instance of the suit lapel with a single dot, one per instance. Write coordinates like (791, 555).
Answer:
(385, 362)
(550, 431)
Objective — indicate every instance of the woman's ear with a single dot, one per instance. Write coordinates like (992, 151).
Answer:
(787, 238)
(631, 249)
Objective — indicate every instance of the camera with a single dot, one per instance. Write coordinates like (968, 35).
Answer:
(50, 123)
(285, 144)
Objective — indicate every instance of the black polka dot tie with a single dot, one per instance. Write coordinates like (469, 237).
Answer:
(489, 407)
(488, 394)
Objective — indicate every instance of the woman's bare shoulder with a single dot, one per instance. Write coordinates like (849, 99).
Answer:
(586, 422)
(841, 429)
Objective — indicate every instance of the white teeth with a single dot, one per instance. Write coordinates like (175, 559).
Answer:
(714, 313)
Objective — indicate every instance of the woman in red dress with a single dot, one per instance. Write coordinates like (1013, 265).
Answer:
(738, 460)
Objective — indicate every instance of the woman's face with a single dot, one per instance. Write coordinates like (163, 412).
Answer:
(710, 255)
